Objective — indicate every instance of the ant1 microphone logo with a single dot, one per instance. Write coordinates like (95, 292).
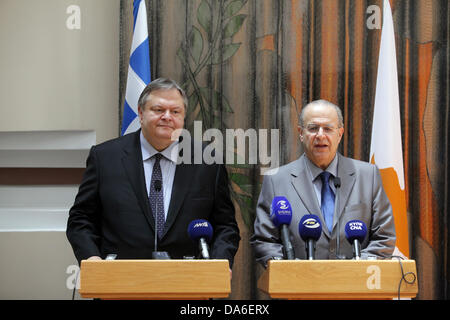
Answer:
(201, 224)
(311, 223)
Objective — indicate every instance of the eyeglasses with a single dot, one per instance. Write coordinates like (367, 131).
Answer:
(314, 129)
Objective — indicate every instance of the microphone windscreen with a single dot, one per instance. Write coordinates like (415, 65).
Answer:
(355, 230)
(337, 182)
(310, 227)
(200, 229)
(280, 211)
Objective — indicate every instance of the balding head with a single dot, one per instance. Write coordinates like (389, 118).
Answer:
(324, 103)
(321, 129)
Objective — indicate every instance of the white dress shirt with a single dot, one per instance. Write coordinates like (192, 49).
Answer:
(314, 172)
(168, 165)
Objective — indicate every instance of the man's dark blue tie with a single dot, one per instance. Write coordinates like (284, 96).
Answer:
(327, 202)
(157, 196)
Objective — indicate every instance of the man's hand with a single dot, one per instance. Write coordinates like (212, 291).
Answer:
(94, 258)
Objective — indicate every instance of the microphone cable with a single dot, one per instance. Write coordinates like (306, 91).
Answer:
(404, 275)
(75, 286)
(76, 282)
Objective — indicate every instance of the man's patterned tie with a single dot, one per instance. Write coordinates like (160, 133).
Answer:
(157, 196)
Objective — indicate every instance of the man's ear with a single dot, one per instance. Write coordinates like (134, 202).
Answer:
(341, 132)
(300, 132)
(140, 114)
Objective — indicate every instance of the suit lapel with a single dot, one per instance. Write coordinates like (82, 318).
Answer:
(346, 171)
(133, 164)
(180, 188)
(304, 187)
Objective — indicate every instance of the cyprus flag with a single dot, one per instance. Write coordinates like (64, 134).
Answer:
(386, 145)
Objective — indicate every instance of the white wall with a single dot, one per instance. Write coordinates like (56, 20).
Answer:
(59, 95)
(56, 78)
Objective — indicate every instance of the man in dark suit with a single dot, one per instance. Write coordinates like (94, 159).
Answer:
(309, 180)
(134, 180)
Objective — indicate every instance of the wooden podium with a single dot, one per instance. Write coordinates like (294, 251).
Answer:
(339, 279)
(155, 279)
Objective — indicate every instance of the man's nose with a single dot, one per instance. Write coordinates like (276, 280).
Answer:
(321, 132)
(166, 115)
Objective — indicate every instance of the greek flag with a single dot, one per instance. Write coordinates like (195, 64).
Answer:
(138, 69)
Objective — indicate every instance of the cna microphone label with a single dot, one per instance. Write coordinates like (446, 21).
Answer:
(356, 225)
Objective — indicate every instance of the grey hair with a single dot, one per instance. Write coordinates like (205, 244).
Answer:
(160, 84)
(323, 102)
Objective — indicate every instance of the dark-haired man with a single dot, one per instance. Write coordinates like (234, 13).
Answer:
(133, 187)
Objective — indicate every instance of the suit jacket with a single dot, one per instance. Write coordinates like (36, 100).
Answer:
(361, 196)
(111, 212)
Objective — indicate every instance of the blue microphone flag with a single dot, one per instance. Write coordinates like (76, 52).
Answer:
(200, 228)
(355, 230)
(310, 227)
(280, 211)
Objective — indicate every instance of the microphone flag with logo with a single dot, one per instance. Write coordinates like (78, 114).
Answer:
(281, 216)
(310, 230)
(355, 232)
(280, 211)
(310, 227)
(202, 231)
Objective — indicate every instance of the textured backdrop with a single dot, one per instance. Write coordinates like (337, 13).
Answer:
(256, 63)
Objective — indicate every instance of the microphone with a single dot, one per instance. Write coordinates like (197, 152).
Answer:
(310, 230)
(201, 230)
(337, 185)
(355, 232)
(164, 255)
(281, 216)
(337, 182)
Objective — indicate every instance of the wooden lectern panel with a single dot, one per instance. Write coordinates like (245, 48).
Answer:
(155, 279)
(338, 279)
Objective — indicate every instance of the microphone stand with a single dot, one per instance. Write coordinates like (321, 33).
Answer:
(357, 249)
(203, 246)
(288, 248)
(337, 185)
(310, 248)
(158, 255)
